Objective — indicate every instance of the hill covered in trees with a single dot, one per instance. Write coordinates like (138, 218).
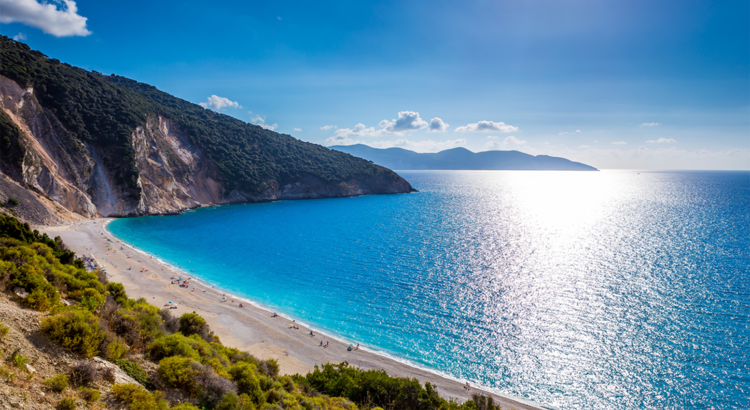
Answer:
(462, 158)
(110, 145)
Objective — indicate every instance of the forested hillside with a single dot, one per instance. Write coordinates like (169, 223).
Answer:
(110, 120)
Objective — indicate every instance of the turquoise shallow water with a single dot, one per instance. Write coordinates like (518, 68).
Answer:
(576, 290)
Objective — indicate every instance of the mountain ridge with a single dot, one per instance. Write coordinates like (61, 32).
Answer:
(461, 159)
(101, 145)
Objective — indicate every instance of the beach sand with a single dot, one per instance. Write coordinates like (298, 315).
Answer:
(250, 328)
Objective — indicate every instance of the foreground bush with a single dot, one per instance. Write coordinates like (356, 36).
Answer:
(137, 398)
(57, 383)
(90, 395)
(75, 329)
(135, 371)
(66, 404)
(3, 331)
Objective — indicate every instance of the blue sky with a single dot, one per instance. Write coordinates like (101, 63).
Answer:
(616, 84)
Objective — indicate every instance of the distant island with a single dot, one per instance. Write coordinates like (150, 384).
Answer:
(461, 159)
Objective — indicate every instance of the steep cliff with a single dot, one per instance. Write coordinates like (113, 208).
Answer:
(110, 146)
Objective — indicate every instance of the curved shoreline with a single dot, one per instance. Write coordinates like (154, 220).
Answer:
(252, 328)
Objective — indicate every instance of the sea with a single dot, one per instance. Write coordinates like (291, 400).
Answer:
(611, 289)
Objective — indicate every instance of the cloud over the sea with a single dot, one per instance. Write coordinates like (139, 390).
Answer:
(487, 126)
(216, 103)
(662, 141)
(59, 18)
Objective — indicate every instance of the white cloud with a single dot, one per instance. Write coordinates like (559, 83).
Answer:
(492, 137)
(328, 127)
(19, 37)
(487, 126)
(619, 143)
(566, 132)
(217, 103)
(406, 121)
(61, 19)
(650, 124)
(298, 129)
(662, 141)
(261, 122)
(507, 143)
(437, 125)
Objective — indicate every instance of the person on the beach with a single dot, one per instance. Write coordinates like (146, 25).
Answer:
(321, 343)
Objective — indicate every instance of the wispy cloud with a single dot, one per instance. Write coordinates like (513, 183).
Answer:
(437, 125)
(298, 129)
(261, 122)
(59, 18)
(328, 127)
(216, 103)
(19, 37)
(662, 141)
(568, 132)
(650, 124)
(508, 142)
(487, 126)
(619, 143)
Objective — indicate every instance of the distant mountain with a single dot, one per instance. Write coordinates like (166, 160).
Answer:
(461, 158)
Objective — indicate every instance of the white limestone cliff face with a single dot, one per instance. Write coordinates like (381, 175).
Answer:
(174, 175)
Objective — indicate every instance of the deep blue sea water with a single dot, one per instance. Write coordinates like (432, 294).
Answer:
(573, 289)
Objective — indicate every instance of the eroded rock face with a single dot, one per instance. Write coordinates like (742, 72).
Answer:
(53, 162)
(174, 176)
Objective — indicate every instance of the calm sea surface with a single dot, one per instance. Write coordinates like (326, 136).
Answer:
(576, 290)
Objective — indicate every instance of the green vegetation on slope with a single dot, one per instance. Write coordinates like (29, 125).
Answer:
(211, 375)
(105, 110)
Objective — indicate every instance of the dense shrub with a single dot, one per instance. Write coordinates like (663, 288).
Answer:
(231, 401)
(193, 324)
(66, 404)
(90, 395)
(173, 345)
(364, 386)
(137, 398)
(136, 372)
(188, 406)
(3, 331)
(117, 290)
(57, 383)
(116, 350)
(245, 376)
(92, 299)
(180, 372)
(38, 300)
(75, 329)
